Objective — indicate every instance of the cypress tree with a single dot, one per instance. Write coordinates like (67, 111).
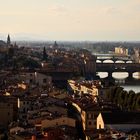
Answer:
(45, 56)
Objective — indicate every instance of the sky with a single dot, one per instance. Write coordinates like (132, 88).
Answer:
(78, 20)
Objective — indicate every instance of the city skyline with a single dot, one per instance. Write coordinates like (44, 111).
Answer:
(91, 20)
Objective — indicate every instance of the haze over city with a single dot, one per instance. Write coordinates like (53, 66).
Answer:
(94, 20)
(69, 70)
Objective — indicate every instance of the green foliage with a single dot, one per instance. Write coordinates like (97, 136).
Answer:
(131, 96)
(30, 63)
(117, 93)
(125, 100)
(26, 62)
(137, 105)
(11, 52)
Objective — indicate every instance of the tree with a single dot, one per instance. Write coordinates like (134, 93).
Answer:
(45, 56)
(134, 102)
(131, 95)
(30, 63)
(137, 105)
(121, 98)
(117, 91)
(129, 101)
(11, 52)
(26, 62)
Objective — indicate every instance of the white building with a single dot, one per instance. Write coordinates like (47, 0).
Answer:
(37, 78)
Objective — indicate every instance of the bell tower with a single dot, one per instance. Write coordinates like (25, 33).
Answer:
(8, 40)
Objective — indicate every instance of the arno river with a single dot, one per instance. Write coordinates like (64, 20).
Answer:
(120, 76)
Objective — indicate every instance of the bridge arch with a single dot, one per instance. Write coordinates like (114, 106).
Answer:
(108, 61)
(119, 61)
(120, 75)
(129, 61)
(130, 68)
(136, 75)
(103, 74)
(98, 61)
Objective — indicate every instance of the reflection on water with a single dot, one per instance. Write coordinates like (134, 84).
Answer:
(136, 75)
(129, 62)
(121, 76)
(102, 74)
(119, 61)
(108, 61)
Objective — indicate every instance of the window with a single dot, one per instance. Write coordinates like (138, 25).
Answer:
(44, 80)
(89, 115)
(31, 80)
(89, 123)
(52, 133)
(92, 116)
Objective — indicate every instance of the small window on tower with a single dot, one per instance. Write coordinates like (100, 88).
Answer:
(89, 123)
(31, 80)
(44, 80)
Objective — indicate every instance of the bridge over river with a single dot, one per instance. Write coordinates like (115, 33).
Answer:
(115, 58)
(110, 68)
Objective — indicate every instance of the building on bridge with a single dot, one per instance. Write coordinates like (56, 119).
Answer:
(121, 50)
(137, 55)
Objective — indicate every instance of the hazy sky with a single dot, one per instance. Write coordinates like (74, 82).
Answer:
(70, 19)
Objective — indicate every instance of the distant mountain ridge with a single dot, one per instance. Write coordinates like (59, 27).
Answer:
(2, 43)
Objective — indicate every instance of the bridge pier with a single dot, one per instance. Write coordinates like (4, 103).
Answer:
(130, 75)
(110, 75)
(102, 61)
(125, 61)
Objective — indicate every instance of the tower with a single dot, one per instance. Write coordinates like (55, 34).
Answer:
(55, 45)
(45, 56)
(8, 40)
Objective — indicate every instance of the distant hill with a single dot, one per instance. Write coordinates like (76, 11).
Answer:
(2, 43)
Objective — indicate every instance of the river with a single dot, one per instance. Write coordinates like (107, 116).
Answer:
(121, 76)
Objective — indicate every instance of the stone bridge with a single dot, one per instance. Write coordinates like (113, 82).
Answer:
(118, 67)
(114, 57)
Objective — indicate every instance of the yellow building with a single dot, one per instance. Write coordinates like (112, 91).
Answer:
(89, 116)
(82, 113)
(83, 87)
(22, 86)
(100, 122)
(121, 50)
